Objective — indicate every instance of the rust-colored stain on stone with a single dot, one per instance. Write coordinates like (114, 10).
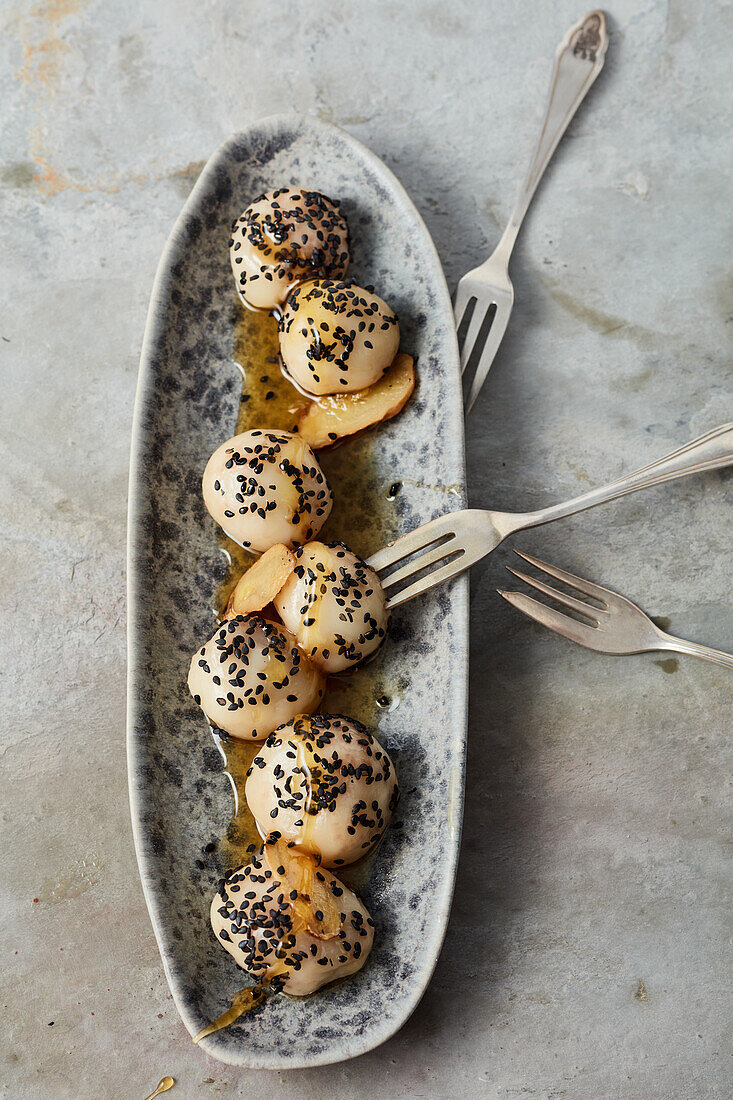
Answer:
(42, 53)
(44, 49)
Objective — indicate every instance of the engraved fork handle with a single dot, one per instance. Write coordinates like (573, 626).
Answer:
(694, 649)
(578, 61)
(710, 452)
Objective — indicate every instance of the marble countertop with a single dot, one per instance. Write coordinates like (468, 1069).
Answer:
(587, 951)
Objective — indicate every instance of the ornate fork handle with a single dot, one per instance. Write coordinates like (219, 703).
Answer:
(694, 649)
(578, 61)
(710, 452)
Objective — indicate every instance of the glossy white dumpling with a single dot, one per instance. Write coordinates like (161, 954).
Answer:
(283, 237)
(251, 677)
(334, 605)
(324, 783)
(263, 487)
(336, 337)
(291, 924)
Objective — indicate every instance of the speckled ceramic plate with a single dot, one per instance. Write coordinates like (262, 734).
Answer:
(187, 400)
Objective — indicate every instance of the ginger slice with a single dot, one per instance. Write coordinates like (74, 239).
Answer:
(329, 418)
(315, 908)
(262, 581)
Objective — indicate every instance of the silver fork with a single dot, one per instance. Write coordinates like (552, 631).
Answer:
(578, 61)
(452, 543)
(618, 626)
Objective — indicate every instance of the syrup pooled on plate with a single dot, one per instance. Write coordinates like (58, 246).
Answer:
(364, 520)
(363, 517)
(267, 400)
(242, 1002)
(242, 837)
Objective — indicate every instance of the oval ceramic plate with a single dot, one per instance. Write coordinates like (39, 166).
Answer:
(187, 400)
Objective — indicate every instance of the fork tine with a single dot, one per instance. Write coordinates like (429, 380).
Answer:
(424, 584)
(443, 550)
(582, 633)
(561, 597)
(466, 536)
(474, 327)
(444, 527)
(462, 297)
(593, 590)
(490, 348)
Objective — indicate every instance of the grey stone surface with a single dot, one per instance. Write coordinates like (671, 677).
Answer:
(588, 950)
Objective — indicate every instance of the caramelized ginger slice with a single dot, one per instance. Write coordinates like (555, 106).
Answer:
(327, 419)
(315, 907)
(262, 581)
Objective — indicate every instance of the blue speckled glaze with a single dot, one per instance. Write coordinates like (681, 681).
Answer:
(187, 400)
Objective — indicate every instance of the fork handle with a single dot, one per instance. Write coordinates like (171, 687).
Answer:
(710, 452)
(694, 649)
(578, 61)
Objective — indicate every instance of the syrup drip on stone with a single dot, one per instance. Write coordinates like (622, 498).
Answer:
(242, 838)
(164, 1085)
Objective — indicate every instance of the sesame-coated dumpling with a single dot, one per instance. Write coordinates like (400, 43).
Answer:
(336, 337)
(251, 677)
(334, 605)
(326, 785)
(284, 237)
(290, 923)
(265, 487)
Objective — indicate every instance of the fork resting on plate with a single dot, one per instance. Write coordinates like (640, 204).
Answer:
(452, 543)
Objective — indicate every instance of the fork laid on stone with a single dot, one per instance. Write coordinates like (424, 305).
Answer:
(578, 61)
(610, 624)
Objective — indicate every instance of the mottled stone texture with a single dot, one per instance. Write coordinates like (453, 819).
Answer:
(588, 949)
